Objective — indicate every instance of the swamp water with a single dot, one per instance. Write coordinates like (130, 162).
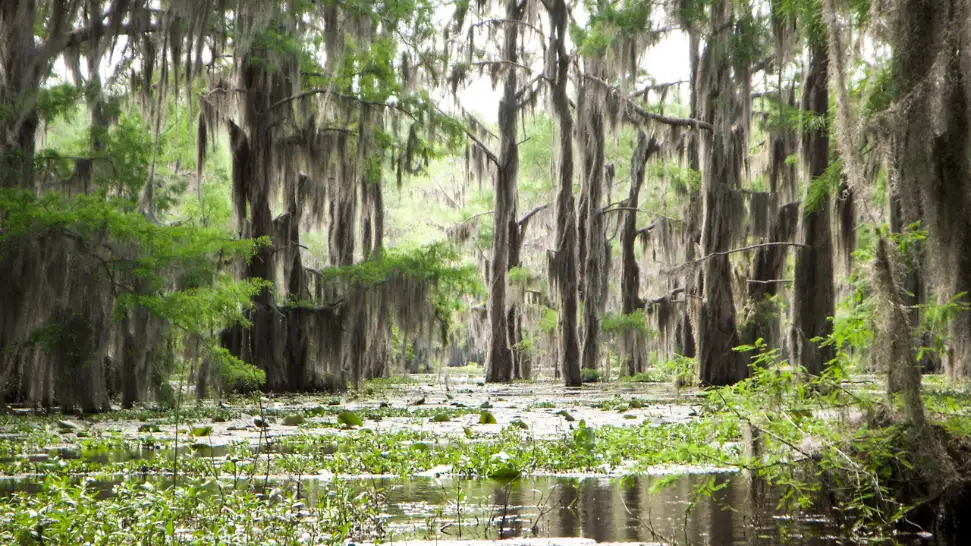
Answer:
(632, 509)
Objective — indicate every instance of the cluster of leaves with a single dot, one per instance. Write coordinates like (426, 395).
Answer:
(196, 511)
(612, 323)
(436, 264)
(172, 271)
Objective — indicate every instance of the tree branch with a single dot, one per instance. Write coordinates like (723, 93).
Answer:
(56, 45)
(508, 21)
(657, 87)
(660, 118)
(613, 208)
(485, 149)
(742, 249)
(530, 214)
(329, 91)
(505, 62)
(667, 296)
(476, 215)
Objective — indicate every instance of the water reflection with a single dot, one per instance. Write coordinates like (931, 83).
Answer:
(605, 510)
(629, 509)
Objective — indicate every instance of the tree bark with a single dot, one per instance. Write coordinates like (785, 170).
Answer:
(591, 106)
(19, 82)
(633, 349)
(762, 314)
(717, 334)
(814, 295)
(563, 268)
(500, 359)
(932, 156)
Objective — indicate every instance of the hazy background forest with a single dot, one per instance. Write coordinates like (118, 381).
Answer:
(736, 234)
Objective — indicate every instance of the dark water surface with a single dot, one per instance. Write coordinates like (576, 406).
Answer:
(632, 509)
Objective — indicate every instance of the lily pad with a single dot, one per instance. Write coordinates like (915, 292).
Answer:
(519, 423)
(149, 427)
(294, 420)
(505, 472)
(201, 431)
(68, 426)
(349, 419)
(440, 418)
(487, 418)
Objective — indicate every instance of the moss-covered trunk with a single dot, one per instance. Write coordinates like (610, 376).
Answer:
(500, 360)
(633, 350)
(563, 266)
(813, 293)
(762, 314)
(591, 104)
(717, 334)
(931, 148)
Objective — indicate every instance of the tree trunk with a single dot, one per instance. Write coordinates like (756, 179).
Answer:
(500, 359)
(932, 155)
(563, 266)
(814, 296)
(591, 106)
(762, 313)
(633, 347)
(19, 82)
(717, 335)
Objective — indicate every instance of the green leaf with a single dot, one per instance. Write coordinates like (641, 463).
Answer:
(349, 419)
(487, 418)
(519, 423)
(505, 472)
(205, 430)
(294, 420)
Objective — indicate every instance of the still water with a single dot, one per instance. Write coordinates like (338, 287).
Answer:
(632, 509)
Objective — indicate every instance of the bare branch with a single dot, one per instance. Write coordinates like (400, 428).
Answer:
(476, 215)
(508, 21)
(667, 296)
(529, 86)
(485, 149)
(329, 91)
(504, 62)
(614, 208)
(657, 87)
(530, 214)
(742, 249)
